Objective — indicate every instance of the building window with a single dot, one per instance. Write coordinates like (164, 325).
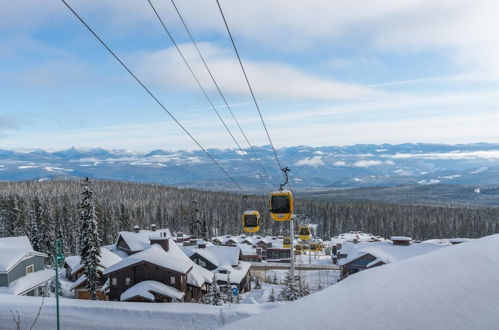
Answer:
(114, 281)
(127, 281)
(30, 269)
(172, 280)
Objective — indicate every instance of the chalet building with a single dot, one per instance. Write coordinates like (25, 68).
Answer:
(160, 273)
(22, 270)
(135, 241)
(359, 256)
(278, 254)
(224, 262)
(74, 269)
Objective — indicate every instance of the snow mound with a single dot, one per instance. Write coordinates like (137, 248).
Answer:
(145, 289)
(452, 288)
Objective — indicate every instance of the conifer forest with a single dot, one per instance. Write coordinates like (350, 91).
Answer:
(50, 209)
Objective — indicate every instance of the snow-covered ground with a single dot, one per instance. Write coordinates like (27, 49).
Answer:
(85, 314)
(452, 288)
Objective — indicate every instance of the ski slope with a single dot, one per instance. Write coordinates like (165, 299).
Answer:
(452, 288)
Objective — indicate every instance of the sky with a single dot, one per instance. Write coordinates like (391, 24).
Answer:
(324, 73)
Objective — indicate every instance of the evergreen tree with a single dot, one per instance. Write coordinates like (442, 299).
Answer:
(125, 219)
(272, 297)
(229, 296)
(90, 253)
(214, 295)
(291, 290)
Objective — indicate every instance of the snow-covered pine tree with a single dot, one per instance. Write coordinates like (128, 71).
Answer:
(272, 297)
(90, 252)
(125, 220)
(214, 296)
(229, 296)
(290, 290)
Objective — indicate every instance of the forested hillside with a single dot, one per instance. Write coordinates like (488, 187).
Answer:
(43, 210)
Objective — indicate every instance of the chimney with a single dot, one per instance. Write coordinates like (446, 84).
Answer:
(401, 240)
(153, 227)
(162, 240)
(201, 244)
(136, 228)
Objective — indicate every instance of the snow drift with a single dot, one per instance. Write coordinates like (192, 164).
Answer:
(452, 288)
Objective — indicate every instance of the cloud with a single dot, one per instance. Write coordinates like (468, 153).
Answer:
(270, 80)
(367, 163)
(469, 155)
(340, 163)
(315, 161)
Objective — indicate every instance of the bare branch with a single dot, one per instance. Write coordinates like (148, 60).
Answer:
(37, 315)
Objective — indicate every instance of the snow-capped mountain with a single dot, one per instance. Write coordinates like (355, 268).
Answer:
(329, 166)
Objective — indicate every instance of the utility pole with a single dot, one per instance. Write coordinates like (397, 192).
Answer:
(58, 259)
(292, 252)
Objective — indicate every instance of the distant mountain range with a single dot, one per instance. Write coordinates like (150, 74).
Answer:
(311, 167)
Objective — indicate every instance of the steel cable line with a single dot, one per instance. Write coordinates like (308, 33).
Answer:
(152, 95)
(243, 153)
(249, 85)
(219, 90)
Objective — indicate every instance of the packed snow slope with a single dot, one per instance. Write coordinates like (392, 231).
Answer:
(453, 288)
(110, 315)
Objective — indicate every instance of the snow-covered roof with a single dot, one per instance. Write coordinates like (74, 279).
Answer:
(452, 288)
(13, 250)
(219, 255)
(236, 273)
(140, 241)
(146, 289)
(385, 251)
(400, 238)
(28, 282)
(156, 255)
(107, 259)
(351, 236)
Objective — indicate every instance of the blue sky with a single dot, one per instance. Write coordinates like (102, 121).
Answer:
(325, 73)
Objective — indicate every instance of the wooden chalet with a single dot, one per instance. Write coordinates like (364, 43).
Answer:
(169, 273)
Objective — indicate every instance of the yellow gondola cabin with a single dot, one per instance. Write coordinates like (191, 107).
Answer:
(304, 232)
(251, 221)
(281, 205)
(286, 243)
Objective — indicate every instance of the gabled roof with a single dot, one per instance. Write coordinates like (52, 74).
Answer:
(219, 255)
(15, 249)
(145, 289)
(385, 251)
(156, 255)
(237, 274)
(107, 259)
(140, 241)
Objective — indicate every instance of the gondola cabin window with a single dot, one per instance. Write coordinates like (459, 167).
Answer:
(280, 204)
(251, 221)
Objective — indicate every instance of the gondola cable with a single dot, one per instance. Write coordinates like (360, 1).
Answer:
(243, 153)
(249, 85)
(152, 95)
(219, 90)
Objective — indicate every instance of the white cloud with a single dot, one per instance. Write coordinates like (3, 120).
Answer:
(315, 161)
(367, 163)
(269, 79)
(470, 155)
(340, 163)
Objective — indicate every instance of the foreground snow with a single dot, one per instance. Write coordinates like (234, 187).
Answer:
(84, 314)
(452, 288)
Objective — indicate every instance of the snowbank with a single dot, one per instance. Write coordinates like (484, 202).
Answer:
(110, 315)
(452, 288)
